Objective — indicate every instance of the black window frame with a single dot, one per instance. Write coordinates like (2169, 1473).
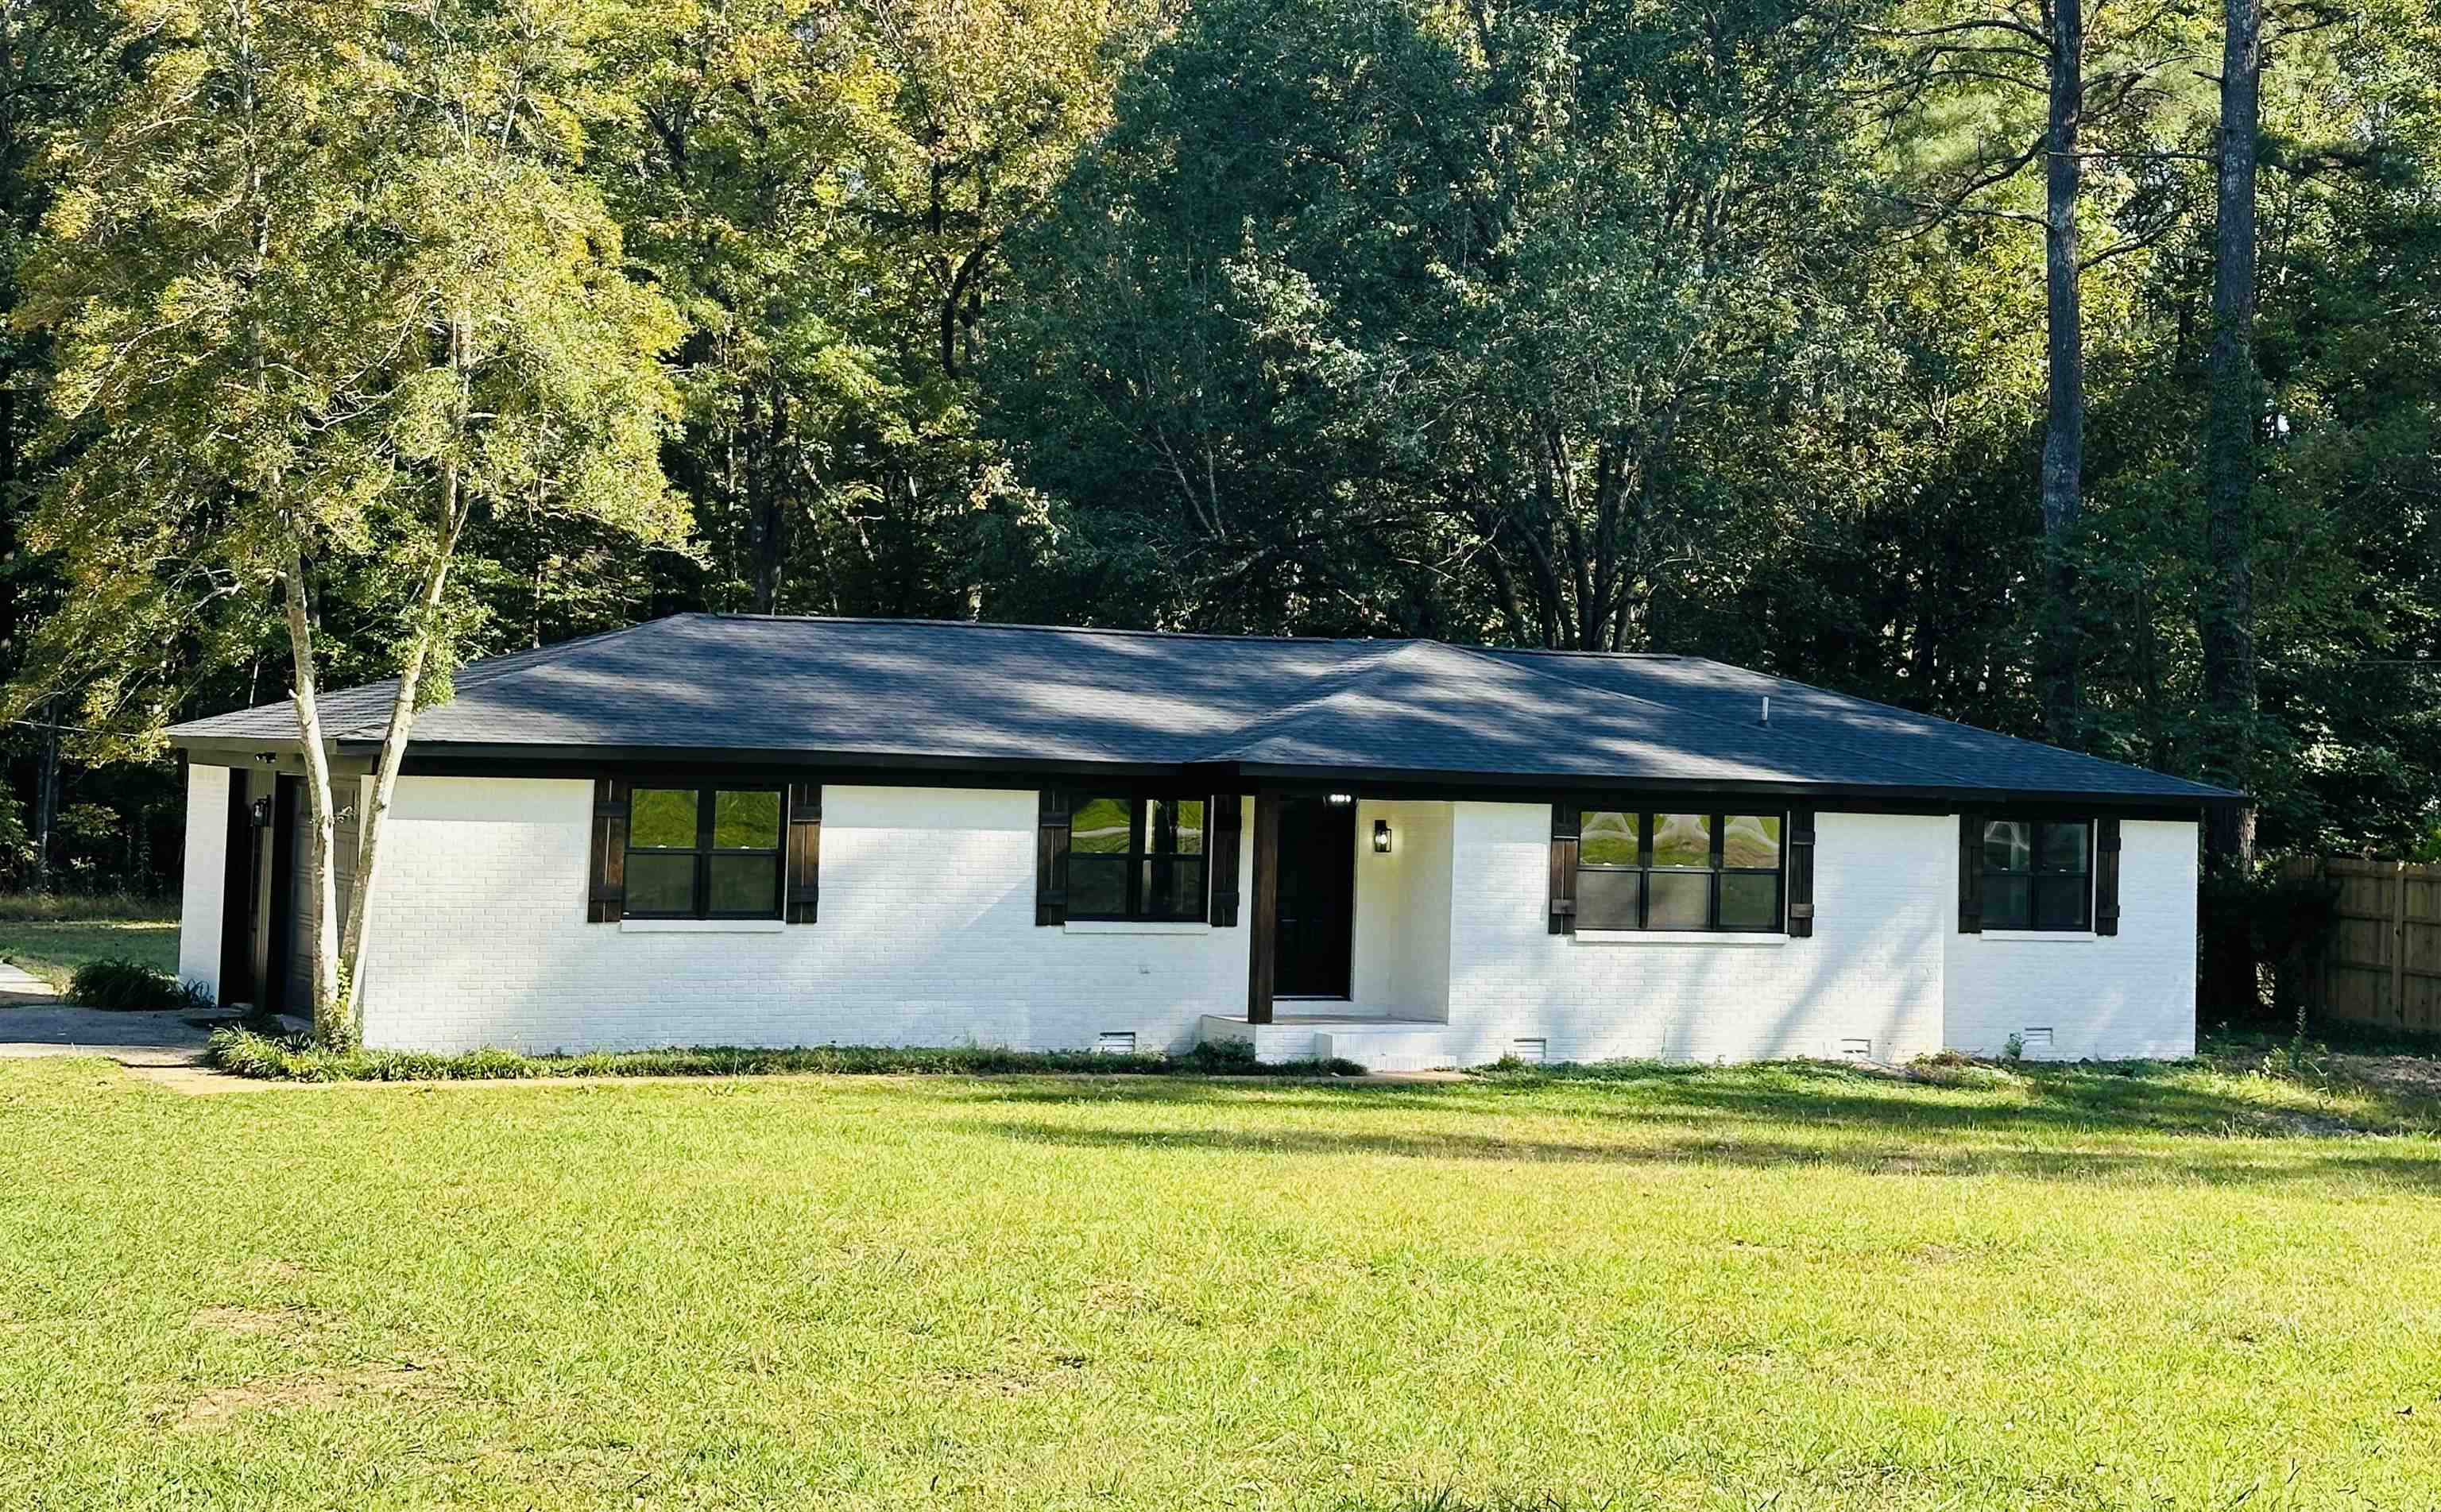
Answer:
(1645, 870)
(1137, 855)
(707, 802)
(2034, 873)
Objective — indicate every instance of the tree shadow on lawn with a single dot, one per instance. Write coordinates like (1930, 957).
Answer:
(2143, 1098)
(2252, 1163)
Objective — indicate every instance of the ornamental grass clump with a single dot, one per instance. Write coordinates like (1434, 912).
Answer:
(116, 982)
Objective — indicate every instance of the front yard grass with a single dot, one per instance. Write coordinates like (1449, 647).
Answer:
(1780, 1287)
(53, 948)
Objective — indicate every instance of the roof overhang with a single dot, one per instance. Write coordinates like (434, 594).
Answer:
(898, 768)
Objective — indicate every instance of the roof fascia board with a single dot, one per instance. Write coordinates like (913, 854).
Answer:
(879, 768)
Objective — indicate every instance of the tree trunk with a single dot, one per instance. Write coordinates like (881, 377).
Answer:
(2231, 424)
(46, 796)
(2063, 425)
(393, 747)
(332, 1024)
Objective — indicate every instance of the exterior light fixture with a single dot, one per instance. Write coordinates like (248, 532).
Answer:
(1341, 800)
(1380, 837)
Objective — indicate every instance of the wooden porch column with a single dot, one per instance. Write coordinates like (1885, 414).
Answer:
(1263, 937)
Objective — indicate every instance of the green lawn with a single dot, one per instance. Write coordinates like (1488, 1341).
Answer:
(1768, 1288)
(54, 948)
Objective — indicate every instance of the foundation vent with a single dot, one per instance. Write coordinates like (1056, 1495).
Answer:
(1856, 1050)
(2036, 1042)
(1532, 1051)
(1116, 1042)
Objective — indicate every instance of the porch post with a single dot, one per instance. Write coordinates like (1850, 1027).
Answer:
(1263, 939)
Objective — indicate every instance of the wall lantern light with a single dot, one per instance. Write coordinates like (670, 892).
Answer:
(1341, 800)
(1382, 837)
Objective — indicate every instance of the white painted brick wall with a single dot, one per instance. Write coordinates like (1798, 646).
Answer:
(206, 868)
(1399, 957)
(926, 936)
(2131, 996)
(1873, 970)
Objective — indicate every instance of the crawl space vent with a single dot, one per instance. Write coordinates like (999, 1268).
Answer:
(1116, 1042)
(1856, 1050)
(1530, 1050)
(2036, 1041)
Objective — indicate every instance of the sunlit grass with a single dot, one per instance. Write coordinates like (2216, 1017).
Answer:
(54, 948)
(1785, 1286)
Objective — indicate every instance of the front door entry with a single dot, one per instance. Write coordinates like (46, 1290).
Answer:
(1317, 911)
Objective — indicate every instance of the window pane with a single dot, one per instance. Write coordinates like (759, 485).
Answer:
(1682, 839)
(1100, 826)
(2063, 847)
(1751, 840)
(1174, 825)
(2008, 846)
(1098, 886)
(2008, 901)
(1608, 900)
(745, 822)
(661, 816)
(1607, 838)
(1749, 900)
(1173, 890)
(2060, 903)
(1680, 901)
(660, 884)
(746, 884)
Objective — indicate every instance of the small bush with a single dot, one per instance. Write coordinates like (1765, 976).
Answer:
(2258, 919)
(299, 1059)
(116, 982)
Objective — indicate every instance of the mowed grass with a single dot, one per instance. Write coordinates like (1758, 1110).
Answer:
(1782, 1287)
(54, 948)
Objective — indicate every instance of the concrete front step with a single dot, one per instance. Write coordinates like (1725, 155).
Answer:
(1376, 1044)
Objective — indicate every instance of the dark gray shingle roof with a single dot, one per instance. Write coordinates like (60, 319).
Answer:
(881, 689)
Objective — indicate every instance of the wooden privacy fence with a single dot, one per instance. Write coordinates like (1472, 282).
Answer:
(2383, 963)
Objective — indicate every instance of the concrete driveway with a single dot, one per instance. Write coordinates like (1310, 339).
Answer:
(34, 1022)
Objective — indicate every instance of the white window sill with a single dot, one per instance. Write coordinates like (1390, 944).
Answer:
(2041, 936)
(1676, 937)
(1135, 927)
(701, 927)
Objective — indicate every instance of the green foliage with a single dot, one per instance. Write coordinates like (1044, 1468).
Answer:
(1378, 316)
(247, 1053)
(2253, 921)
(115, 982)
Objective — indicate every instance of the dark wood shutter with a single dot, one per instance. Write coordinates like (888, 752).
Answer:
(1565, 820)
(607, 901)
(1970, 873)
(1801, 873)
(1228, 825)
(2106, 877)
(805, 852)
(1051, 861)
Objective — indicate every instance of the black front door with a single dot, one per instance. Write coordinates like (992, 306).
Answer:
(1317, 898)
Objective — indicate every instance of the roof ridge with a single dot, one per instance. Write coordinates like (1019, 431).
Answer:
(1714, 719)
(1339, 681)
(1046, 629)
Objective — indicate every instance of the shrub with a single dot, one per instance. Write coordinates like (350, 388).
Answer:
(115, 983)
(2253, 921)
(299, 1059)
